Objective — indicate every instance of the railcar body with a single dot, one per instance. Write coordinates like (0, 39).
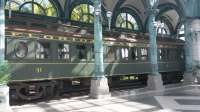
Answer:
(39, 56)
(43, 60)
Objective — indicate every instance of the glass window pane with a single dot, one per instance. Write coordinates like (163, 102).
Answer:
(51, 12)
(83, 13)
(27, 8)
(126, 21)
(129, 26)
(123, 15)
(63, 51)
(38, 10)
(42, 50)
(40, 7)
(14, 6)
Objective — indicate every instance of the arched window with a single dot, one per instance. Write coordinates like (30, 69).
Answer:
(181, 32)
(39, 7)
(126, 21)
(163, 29)
(83, 13)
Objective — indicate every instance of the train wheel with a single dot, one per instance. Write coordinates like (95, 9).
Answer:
(35, 90)
(30, 92)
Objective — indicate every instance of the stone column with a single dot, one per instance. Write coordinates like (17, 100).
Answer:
(154, 79)
(192, 51)
(188, 75)
(191, 10)
(4, 89)
(196, 53)
(99, 83)
(2, 32)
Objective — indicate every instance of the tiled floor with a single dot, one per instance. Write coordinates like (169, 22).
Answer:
(185, 99)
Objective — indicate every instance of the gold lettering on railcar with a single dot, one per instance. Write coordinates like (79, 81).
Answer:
(38, 69)
(60, 38)
(13, 34)
(30, 35)
(9, 33)
(65, 39)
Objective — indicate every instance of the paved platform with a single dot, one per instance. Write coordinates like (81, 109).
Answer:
(178, 99)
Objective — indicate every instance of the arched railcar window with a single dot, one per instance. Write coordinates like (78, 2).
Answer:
(83, 13)
(39, 7)
(126, 21)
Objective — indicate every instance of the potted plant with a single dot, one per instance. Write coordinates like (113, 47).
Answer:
(4, 89)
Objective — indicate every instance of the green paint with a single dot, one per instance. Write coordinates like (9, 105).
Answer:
(78, 70)
(153, 35)
(188, 47)
(98, 42)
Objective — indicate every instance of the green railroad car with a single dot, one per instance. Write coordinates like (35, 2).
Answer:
(47, 61)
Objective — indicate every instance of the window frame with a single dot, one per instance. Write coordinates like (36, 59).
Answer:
(54, 5)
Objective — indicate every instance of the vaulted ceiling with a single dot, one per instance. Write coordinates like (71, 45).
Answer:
(170, 10)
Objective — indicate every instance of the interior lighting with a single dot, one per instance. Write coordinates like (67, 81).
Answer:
(109, 16)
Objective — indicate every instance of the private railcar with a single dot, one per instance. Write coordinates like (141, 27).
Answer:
(51, 61)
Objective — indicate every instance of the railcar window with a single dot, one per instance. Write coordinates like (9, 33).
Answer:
(124, 53)
(63, 51)
(165, 57)
(134, 54)
(144, 54)
(171, 54)
(176, 54)
(92, 52)
(110, 53)
(167, 54)
(162, 54)
(42, 50)
(82, 51)
(182, 56)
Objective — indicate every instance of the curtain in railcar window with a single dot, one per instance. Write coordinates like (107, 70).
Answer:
(111, 53)
(124, 53)
(42, 50)
(134, 54)
(144, 54)
(82, 52)
(63, 51)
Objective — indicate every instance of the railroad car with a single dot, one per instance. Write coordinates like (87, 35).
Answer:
(52, 61)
